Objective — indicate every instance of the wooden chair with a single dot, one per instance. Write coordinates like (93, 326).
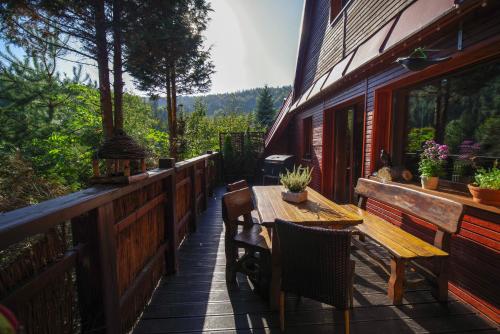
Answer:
(254, 238)
(316, 264)
(241, 185)
(404, 247)
(237, 185)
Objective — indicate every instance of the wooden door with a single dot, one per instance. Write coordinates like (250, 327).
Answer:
(348, 152)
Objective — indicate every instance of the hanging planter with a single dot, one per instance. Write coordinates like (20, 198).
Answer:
(419, 60)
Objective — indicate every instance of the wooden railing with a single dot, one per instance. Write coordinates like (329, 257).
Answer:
(90, 261)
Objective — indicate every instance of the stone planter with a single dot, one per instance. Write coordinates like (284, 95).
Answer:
(294, 197)
(485, 196)
(429, 182)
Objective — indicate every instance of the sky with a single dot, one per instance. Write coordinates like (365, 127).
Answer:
(254, 42)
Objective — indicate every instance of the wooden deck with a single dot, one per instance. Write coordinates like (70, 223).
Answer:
(198, 300)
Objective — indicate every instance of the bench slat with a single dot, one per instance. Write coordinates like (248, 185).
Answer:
(255, 236)
(442, 212)
(399, 242)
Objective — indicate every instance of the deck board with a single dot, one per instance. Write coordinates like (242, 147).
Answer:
(197, 299)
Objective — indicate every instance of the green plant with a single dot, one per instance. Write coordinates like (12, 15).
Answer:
(297, 180)
(433, 159)
(488, 179)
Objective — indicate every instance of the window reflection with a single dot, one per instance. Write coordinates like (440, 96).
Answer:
(462, 111)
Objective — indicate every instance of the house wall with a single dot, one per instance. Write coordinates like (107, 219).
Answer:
(328, 44)
(475, 250)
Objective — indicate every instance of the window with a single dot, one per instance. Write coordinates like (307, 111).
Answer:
(336, 7)
(460, 110)
(307, 130)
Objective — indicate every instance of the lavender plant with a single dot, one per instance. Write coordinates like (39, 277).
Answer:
(297, 180)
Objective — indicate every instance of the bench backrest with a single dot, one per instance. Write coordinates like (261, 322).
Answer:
(441, 212)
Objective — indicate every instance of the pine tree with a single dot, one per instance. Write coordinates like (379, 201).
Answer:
(265, 110)
(165, 52)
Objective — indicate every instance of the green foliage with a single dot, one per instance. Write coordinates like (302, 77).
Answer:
(417, 137)
(265, 110)
(488, 179)
(297, 180)
(488, 135)
(430, 168)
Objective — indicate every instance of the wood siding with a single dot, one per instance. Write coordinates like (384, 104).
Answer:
(475, 250)
(327, 45)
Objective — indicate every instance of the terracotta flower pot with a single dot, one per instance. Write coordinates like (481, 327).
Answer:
(485, 196)
(429, 182)
(294, 197)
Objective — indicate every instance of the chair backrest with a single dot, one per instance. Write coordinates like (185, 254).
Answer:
(315, 262)
(441, 212)
(236, 204)
(237, 185)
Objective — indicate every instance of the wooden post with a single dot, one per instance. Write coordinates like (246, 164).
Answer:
(126, 167)
(88, 277)
(194, 205)
(171, 225)
(95, 167)
(108, 271)
(143, 165)
(205, 183)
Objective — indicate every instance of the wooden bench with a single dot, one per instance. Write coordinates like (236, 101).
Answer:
(404, 247)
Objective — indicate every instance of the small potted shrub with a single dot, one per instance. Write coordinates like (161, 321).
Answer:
(432, 162)
(486, 188)
(295, 183)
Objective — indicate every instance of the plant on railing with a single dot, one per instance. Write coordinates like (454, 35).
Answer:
(432, 162)
(296, 182)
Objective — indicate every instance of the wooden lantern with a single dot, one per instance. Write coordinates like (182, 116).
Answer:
(124, 160)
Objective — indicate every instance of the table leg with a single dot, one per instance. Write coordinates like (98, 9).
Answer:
(275, 289)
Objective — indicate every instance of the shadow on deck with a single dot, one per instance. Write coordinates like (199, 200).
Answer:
(198, 300)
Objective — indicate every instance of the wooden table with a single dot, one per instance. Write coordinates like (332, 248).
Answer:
(316, 211)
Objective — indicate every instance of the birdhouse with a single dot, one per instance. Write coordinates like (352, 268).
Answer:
(124, 160)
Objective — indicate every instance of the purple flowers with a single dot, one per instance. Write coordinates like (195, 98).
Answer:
(434, 151)
(433, 159)
(468, 150)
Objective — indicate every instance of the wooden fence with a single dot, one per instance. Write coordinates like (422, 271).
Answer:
(90, 261)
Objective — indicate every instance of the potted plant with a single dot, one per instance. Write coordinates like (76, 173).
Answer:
(295, 183)
(419, 60)
(432, 162)
(486, 188)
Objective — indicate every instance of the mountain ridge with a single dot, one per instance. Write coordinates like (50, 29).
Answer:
(240, 101)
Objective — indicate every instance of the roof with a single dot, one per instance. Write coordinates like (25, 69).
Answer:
(403, 26)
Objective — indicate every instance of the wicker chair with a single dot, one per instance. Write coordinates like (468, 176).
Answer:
(254, 238)
(316, 264)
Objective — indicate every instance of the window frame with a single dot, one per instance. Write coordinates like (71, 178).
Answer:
(307, 138)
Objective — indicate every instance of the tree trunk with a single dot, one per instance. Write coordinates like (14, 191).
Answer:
(103, 68)
(171, 131)
(117, 64)
(173, 148)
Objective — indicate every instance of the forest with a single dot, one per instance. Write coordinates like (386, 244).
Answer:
(242, 101)
(54, 122)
